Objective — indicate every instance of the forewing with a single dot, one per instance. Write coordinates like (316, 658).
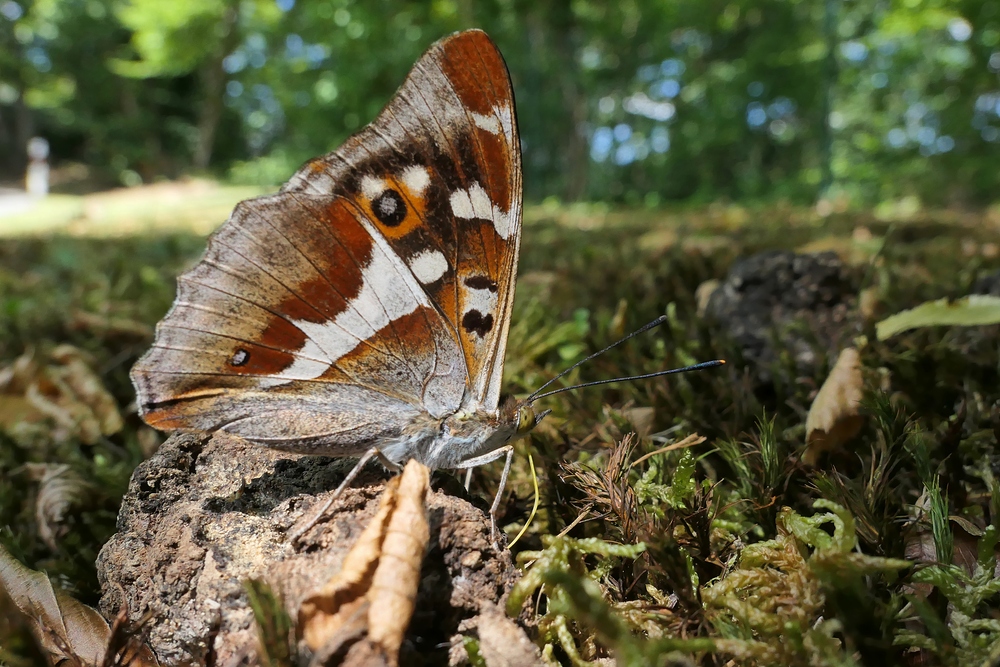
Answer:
(299, 306)
(439, 173)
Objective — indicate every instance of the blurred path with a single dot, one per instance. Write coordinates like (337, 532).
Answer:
(14, 201)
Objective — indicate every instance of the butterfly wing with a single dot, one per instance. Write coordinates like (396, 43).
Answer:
(373, 289)
(439, 171)
(298, 306)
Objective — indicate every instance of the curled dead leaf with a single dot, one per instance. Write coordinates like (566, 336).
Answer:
(834, 416)
(65, 628)
(88, 388)
(376, 588)
(642, 420)
(66, 391)
(59, 490)
(703, 295)
(17, 375)
(54, 399)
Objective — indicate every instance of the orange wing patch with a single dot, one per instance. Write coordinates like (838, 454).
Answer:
(397, 202)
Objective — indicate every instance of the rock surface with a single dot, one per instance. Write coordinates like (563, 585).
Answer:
(782, 302)
(208, 512)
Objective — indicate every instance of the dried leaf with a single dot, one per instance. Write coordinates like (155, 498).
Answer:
(377, 585)
(88, 389)
(322, 614)
(704, 293)
(127, 644)
(60, 490)
(16, 376)
(65, 628)
(834, 416)
(53, 398)
(16, 410)
(68, 392)
(972, 310)
(394, 586)
(642, 420)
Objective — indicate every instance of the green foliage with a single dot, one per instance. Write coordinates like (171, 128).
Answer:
(965, 636)
(802, 563)
(973, 310)
(672, 548)
(276, 646)
(641, 102)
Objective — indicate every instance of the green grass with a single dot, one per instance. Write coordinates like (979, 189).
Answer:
(676, 553)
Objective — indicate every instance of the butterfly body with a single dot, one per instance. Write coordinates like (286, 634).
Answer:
(365, 307)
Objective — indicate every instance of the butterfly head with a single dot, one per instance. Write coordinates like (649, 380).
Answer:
(521, 414)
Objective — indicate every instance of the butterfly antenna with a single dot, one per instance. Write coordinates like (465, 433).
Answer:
(672, 371)
(652, 325)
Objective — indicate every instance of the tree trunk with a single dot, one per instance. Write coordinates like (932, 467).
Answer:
(213, 84)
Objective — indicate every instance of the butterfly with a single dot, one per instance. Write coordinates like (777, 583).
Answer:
(364, 308)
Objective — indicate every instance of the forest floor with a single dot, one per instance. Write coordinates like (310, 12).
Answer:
(757, 541)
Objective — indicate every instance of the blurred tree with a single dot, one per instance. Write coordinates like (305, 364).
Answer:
(180, 37)
(635, 101)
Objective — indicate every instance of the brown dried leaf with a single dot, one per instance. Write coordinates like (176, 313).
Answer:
(68, 392)
(53, 398)
(377, 585)
(16, 410)
(16, 376)
(642, 420)
(834, 416)
(88, 389)
(60, 490)
(704, 293)
(322, 614)
(397, 577)
(65, 628)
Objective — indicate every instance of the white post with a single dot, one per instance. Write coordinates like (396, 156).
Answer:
(36, 180)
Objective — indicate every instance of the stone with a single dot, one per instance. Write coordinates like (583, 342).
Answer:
(207, 512)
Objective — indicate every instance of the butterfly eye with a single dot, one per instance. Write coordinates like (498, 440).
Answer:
(389, 208)
(525, 419)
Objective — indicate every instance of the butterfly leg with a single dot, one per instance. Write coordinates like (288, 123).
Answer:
(468, 479)
(358, 467)
(496, 501)
(487, 458)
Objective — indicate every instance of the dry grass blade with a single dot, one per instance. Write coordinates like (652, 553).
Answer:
(835, 415)
(690, 441)
(127, 644)
(377, 586)
(65, 628)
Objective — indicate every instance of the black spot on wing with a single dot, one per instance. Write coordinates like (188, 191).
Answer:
(389, 208)
(240, 358)
(476, 322)
(481, 282)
